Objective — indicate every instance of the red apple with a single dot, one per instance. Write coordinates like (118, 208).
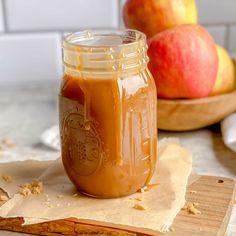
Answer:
(183, 62)
(154, 16)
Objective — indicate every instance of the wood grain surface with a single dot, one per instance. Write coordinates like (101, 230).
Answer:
(214, 197)
(191, 114)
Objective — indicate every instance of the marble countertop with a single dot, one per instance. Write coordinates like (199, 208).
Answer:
(25, 112)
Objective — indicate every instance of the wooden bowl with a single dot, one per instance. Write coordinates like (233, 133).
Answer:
(190, 114)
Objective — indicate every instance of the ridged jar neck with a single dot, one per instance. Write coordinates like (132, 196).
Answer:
(94, 53)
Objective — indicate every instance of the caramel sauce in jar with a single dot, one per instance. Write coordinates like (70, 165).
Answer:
(107, 105)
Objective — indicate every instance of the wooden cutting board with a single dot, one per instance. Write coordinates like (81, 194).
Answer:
(214, 196)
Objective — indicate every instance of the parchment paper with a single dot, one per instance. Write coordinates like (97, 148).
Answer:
(162, 202)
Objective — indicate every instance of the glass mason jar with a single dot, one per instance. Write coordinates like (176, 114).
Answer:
(107, 113)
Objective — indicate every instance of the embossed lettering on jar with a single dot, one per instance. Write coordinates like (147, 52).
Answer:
(107, 113)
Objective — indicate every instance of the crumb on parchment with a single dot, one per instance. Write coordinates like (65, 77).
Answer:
(190, 207)
(139, 207)
(47, 198)
(3, 198)
(36, 187)
(138, 199)
(49, 204)
(7, 178)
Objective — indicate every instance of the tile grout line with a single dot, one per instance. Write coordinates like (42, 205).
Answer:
(217, 24)
(61, 31)
(227, 36)
(119, 13)
(4, 13)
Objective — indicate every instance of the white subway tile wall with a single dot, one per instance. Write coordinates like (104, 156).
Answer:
(34, 15)
(217, 12)
(30, 57)
(31, 31)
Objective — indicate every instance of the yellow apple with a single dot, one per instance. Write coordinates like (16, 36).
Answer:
(225, 81)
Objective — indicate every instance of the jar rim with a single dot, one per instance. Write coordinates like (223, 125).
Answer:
(83, 39)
